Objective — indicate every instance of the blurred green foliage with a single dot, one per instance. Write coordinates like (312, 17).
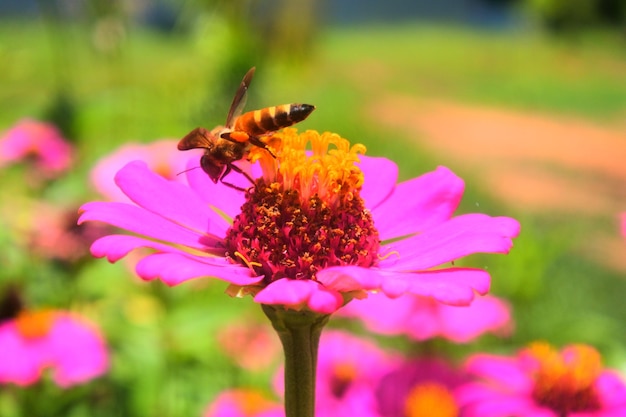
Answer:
(142, 85)
(567, 16)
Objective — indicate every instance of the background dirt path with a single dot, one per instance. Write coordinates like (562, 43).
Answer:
(531, 161)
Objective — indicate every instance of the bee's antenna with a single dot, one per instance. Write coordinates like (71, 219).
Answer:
(187, 170)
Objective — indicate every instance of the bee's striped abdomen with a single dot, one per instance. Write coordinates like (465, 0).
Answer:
(271, 119)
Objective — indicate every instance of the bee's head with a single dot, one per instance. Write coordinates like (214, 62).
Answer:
(213, 169)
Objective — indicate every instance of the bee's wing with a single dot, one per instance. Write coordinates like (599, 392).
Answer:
(197, 138)
(240, 99)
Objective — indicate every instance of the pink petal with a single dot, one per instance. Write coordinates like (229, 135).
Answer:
(620, 411)
(421, 318)
(175, 268)
(380, 175)
(227, 199)
(171, 200)
(611, 389)
(137, 220)
(21, 362)
(39, 140)
(419, 204)
(74, 349)
(236, 403)
(297, 294)
(78, 350)
(504, 371)
(489, 402)
(454, 286)
(115, 247)
(464, 323)
(380, 313)
(161, 157)
(458, 237)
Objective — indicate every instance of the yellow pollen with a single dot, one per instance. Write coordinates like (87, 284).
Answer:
(430, 399)
(35, 324)
(312, 163)
(248, 263)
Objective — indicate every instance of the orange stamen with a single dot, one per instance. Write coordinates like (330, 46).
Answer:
(430, 399)
(35, 324)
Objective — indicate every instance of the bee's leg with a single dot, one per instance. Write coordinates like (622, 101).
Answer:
(233, 167)
(228, 184)
(235, 138)
(258, 142)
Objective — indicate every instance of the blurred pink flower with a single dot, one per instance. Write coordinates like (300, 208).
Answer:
(56, 235)
(623, 224)
(36, 340)
(53, 235)
(420, 387)
(422, 318)
(541, 381)
(243, 403)
(253, 346)
(309, 235)
(348, 371)
(160, 156)
(51, 153)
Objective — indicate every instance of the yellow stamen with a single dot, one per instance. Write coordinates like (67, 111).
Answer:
(577, 365)
(248, 263)
(328, 170)
(387, 255)
(564, 381)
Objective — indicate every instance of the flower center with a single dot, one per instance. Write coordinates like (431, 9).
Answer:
(430, 399)
(342, 377)
(305, 213)
(34, 324)
(564, 380)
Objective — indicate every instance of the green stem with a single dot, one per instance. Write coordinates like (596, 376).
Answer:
(299, 333)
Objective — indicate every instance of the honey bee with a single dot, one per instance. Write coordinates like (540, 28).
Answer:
(227, 144)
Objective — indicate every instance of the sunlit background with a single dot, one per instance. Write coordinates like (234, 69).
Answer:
(524, 99)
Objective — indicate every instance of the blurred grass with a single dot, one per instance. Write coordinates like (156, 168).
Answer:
(155, 85)
(523, 70)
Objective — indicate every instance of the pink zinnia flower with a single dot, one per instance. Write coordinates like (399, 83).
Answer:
(543, 382)
(42, 142)
(243, 403)
(37, 340)
(422, 318)
(422, 387)
(157, 155)
(316, 230)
